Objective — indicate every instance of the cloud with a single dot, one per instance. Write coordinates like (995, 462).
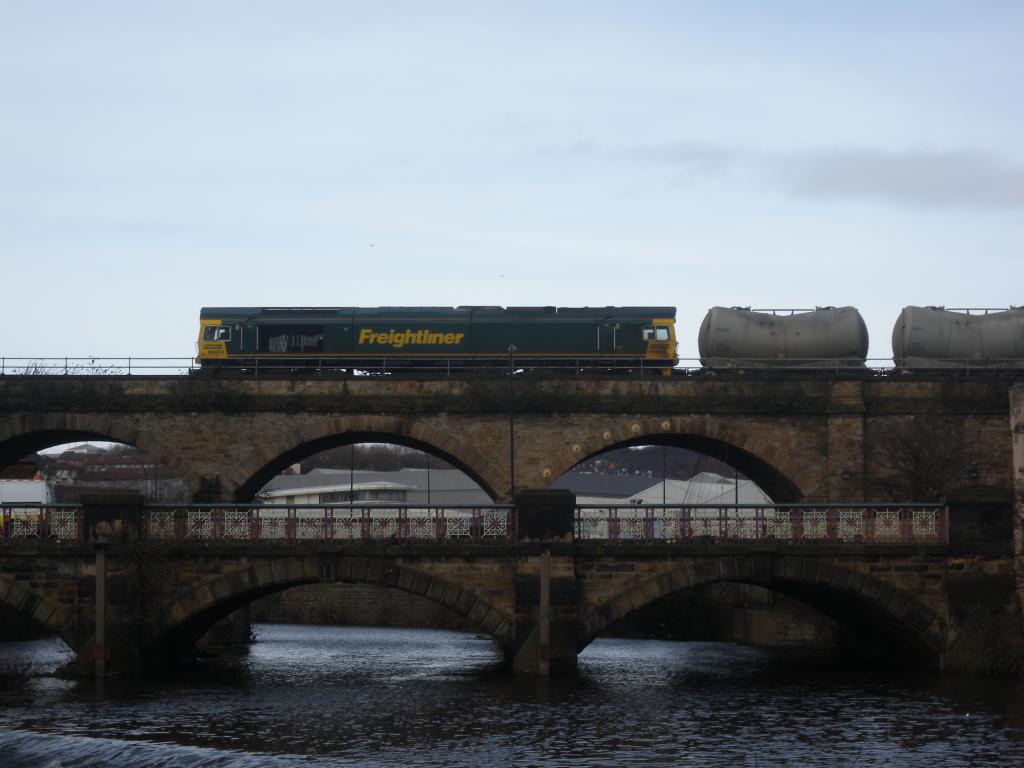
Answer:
(915, 178)
(693, 156)
(684, 156)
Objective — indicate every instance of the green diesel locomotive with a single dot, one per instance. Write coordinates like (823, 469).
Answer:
(356, 337)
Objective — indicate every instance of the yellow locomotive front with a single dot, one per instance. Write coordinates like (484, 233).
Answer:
(212, 343)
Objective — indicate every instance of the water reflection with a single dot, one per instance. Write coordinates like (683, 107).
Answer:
(364, 696)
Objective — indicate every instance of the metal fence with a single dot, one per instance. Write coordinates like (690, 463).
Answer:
(97, 366)
(240, 523)
(706, 524)
(57, 523)
(442, 367)
(437, 367)
(369, 523)
(918, 524)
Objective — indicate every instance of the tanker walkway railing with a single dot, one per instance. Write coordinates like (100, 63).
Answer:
(916, 524)
(866, 523)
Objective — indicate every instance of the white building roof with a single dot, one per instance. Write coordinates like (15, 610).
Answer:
(704, 488)
(447, 486)
(335, 487)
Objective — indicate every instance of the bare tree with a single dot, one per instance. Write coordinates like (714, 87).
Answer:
(1018, 533)
(123, 449)
(920, 460)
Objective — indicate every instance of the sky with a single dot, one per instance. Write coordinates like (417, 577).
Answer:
(157, 157)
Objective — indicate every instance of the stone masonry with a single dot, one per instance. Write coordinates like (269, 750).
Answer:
(811, 438)
(543, 598)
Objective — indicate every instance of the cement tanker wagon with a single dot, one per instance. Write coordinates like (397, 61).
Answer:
(743, 338)
(936, 337)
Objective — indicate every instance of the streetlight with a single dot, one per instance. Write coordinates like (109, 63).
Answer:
(511, 427)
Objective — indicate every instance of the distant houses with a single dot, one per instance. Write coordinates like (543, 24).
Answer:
(86, 467)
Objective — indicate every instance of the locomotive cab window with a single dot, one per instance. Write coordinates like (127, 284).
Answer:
(217, 333)
(655, 333)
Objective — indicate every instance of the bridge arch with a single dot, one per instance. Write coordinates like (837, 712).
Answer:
(283, 449)
(188, 617)
(38, 608)
(841, 593)
(36, 432)
(778, 471)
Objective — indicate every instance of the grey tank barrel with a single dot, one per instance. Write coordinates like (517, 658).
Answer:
(935, 337)
(824, 337)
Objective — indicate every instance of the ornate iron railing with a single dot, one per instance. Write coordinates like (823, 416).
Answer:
(923, 524)
(56, 523)
(450, 524)
(784, 523)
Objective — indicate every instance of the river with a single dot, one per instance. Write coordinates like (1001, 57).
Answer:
(347, 696)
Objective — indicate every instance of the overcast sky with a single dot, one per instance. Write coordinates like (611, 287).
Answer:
(156, 157)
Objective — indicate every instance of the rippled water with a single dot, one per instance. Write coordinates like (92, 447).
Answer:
(362, 696)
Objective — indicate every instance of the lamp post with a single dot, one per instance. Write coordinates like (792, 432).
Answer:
(664, 478)
(511, 427)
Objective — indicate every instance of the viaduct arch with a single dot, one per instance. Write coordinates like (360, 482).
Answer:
(279, 450)
(778, 472)
(36, 432)
(273, 447)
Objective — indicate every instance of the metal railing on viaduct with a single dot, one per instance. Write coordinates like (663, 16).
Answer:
(133, 585)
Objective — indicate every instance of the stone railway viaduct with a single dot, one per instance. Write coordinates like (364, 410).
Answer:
(803, 438)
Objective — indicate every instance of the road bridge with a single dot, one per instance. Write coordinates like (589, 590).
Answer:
(129, 586)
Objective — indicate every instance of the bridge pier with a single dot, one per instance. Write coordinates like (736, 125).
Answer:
(981, 586)
(106, 630)
(546, 620)
(1017, 433)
